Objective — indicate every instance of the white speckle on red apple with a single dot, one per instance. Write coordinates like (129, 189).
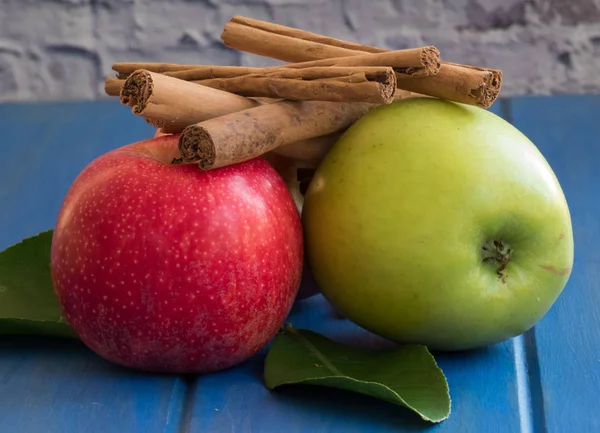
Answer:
(203, 266)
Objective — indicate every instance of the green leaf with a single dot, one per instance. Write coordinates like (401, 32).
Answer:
(407, 375)
(28, 304)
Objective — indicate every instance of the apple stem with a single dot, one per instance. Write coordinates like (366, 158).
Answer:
(498, 252)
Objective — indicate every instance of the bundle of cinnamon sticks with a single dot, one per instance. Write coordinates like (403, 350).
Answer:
(229, 114)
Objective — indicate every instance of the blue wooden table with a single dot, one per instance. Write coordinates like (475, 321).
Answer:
(545, 381)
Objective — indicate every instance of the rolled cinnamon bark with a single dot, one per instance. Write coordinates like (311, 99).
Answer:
(250, 133)
(245, 37)
(412, 62)
(208, 72)
(469, 85)
(460, 83)
(172, 104)
(337, 84)
(302, 34)
(310, 152)
(127, 68)
(113, 86)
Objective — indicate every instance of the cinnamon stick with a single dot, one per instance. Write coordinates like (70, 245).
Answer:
(309, 152)
(243, 36)
(246, 134)
(185, 72)
(302, 34)
(337, 84)
(460, 83)
(353, 74)
(206, 72)
(342, 84)
(127, 68)
(112, 86)
(172, 104)
(402, 61)
(413, 62)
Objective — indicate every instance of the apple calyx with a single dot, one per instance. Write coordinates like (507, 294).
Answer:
(497, 252)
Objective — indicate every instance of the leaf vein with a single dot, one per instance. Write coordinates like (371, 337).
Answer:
(317, 353)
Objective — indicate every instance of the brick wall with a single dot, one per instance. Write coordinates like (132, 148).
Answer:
(63, 49)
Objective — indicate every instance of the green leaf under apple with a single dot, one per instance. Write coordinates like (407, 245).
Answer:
(28, 304)
(407, 376)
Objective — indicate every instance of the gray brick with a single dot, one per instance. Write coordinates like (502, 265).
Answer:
(396, 40)
(488, 14)
(568, 12)
(117, 24)
(259, 11)
(160, 24)
(41, 22)
(325, 18)
(9, 84)
(72, 72)
(423, 15)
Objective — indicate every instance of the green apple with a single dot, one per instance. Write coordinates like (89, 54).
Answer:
(438, 223)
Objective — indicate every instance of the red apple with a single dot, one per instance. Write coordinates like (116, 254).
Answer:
(169, 268)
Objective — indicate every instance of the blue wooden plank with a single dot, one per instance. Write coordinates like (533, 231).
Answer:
(482, 383)
(564, 348)
(61, 387)
(57, 386)
(43, 147)
(487, 387)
